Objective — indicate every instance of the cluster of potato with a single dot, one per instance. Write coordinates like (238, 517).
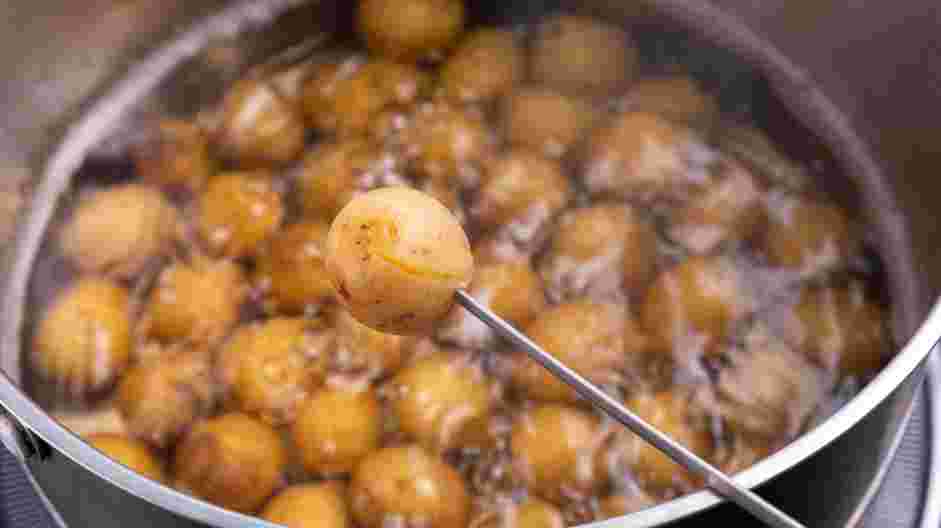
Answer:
(675, 273)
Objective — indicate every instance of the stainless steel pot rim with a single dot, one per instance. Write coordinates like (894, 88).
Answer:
(104, 115)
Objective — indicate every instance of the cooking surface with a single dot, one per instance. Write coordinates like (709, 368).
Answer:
(898, 505)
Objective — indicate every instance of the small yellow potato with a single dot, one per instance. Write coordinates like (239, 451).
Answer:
(449, 142)
(197, 302)
(569, 462)
(335, 172)
(336, 428)
(409, 484)
(582, 54)
(133, 454)
(83, 342)
(280, 363)
(162, 398)
(291, 269)
(346, 98)
(118, 230)
(238, 211)
(321, 505)
(396, 256)
(806, 234)
(840, 329)
(485, 65)
(410, 29)
(668, 412)
(177, 158)
(597, 250)
(678, 98)
(690, 306)
(586, 336)
(438, 399)
(259, 127)
(547, 121)
(642, 156)
(231, 460)
(360, 349)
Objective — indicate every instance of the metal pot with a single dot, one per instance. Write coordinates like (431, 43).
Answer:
(61, 104)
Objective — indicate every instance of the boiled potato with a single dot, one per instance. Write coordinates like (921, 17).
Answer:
(346, 98)
(692, 305)
(840, 329)
(546, 121)
(291, 268)
(231, 460)
(438, 399)
(279, 365)
(83, 342)
(598, 249)
(644, 157)
(586, 336)
(409, 484)
(569, 462)
(360, 349)
(119, 230)
(618, 504)
(668, 412)
(678, 98)
(336, 428)
(521, 192)
(321, 505)
(730, 209)
(160, 399)
(259, 127)
(238, 211)
(133, 454)
(448, 142)
(410, 29)
(486, 64)
(449, 195)
(178, 157)
(807, 234)
(396, 256)
(511, 289)
(531, 513)
(197, 302)
(582, 54)
(335, 172)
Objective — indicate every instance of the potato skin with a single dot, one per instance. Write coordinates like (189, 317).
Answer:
(259, 127)
(586, 336)
(363, 350)
(197, 302)
(409, 482)
(581, 54)
(346, 98)
(83, 342)
(546, 121)
(291, 268)
(239, 211)
(281, 365)
(160, 399)
(118, 230)
(133, 454)
(437, 399)
(410, 29)
(231, 460)
(336, 428)
(807, 234)
(486, 64)
(667, 411)
(177, 158)
(396, 256)
(320, 505)
(569, 462)
(690, 306)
